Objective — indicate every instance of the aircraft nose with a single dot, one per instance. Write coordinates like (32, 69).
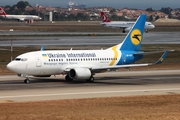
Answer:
(11, 66)
(153, 26)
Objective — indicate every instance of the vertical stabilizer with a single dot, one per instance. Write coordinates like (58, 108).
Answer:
(2, 12)
(134, 37)
(104, 17)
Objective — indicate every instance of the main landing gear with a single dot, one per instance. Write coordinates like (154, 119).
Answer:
(90, 80)
(27, 80)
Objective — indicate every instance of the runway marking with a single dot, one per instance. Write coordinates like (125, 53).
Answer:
(81, 93)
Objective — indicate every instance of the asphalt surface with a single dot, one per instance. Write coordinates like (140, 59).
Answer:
(149, 38)
(127, 83)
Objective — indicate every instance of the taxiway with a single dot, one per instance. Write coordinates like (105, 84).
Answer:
(109, 84)
(149, 38)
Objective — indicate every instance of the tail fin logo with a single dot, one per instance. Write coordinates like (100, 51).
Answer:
(2, 12)
(136, 36)
(104, 17)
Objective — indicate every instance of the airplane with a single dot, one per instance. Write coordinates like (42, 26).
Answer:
(83, 64)
(18, 17)
(124, 25)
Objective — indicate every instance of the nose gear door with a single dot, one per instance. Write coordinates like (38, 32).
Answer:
(38, 60)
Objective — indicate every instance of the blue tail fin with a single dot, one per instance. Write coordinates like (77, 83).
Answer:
(134, 37)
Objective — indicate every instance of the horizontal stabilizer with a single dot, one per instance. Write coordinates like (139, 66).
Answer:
(138, 53)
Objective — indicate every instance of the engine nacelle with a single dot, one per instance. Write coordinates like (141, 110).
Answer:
(127, 29)
(80, 73)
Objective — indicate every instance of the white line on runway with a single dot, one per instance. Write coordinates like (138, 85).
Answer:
(85, 93)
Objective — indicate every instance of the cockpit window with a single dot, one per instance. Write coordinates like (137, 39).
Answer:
(17, 59)
(20, 59)
(23, 59)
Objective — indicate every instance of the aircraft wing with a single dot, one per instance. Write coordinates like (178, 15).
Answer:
(130, 65)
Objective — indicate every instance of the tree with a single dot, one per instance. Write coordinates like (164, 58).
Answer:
(7, 6)
(151, 18)
(166, 10)
(157, 17)
(11, 10)
(118, 18)
(21, 5)
(112, 10)
(72, 17)
(149, 9)
(81, 16)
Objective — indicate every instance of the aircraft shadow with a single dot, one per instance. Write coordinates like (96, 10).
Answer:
(102, 80)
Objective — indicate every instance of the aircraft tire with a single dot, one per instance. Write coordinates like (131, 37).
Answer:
(91, 79)
(27, 81)
(67, 78)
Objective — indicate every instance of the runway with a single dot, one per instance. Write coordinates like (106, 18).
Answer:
(149, 38)
(109, 84)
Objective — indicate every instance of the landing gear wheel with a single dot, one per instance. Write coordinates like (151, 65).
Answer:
(27, 81)
(67, 78)
(91, 79)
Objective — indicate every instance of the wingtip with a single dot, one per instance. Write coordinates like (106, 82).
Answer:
(161, 59)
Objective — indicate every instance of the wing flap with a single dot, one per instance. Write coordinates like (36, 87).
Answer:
(119, 66)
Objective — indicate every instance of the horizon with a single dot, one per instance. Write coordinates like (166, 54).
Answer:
(138, 4)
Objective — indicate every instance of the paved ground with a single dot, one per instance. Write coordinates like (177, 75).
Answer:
(149, 38)
(106, 85)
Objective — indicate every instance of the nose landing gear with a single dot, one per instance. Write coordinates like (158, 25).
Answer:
(25, 76)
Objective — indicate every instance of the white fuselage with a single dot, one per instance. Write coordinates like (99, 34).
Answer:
(57, 62)
(22, 17)
(128, 25)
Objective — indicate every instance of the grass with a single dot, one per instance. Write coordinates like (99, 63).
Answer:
(158, 107)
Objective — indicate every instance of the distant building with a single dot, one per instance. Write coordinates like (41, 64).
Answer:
(72, 5)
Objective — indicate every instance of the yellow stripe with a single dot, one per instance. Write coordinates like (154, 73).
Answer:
(115, 55)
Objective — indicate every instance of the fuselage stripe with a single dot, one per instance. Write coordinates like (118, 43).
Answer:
(115, 55)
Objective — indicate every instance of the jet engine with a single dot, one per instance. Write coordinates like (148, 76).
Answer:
(126, 29)
(80, 73)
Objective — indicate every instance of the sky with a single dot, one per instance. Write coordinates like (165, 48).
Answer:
(138, 4)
